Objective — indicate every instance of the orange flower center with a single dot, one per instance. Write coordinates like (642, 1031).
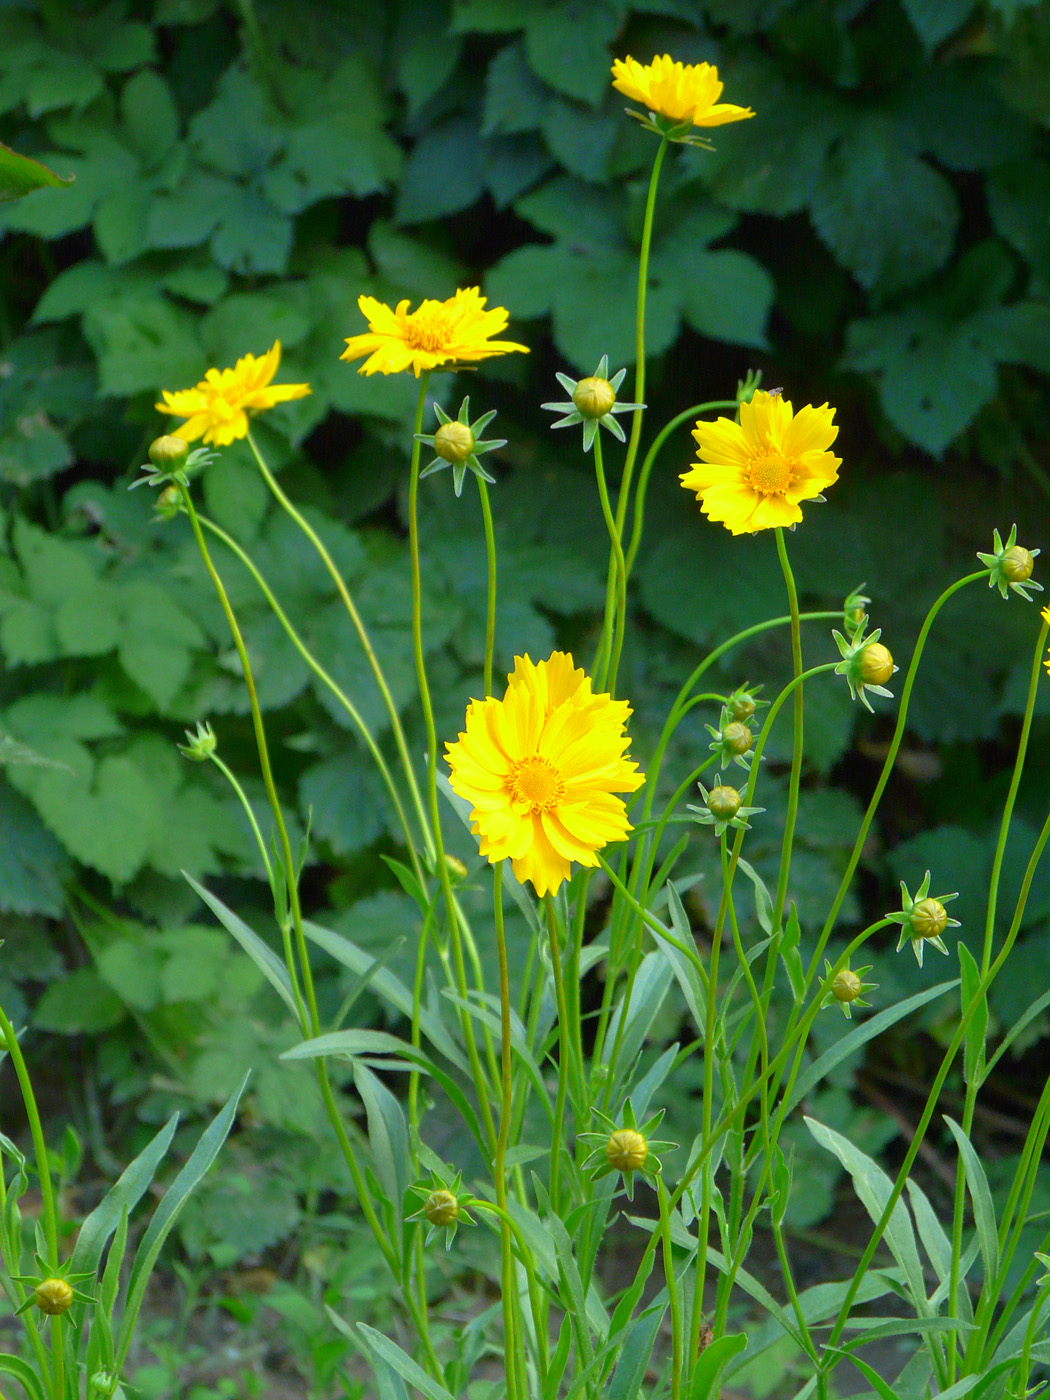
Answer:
(536, 783)
(771, 474)
(430, 333)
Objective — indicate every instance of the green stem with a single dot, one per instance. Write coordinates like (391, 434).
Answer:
(506, 1105)
(359, 626)
(606, 679)
(647, 465)
(796, 753)
(242, 797)
(36, 1130)
(437, 839)
(490, 603)
(327, 681)
(672, 1290)
(565, 1054)
(535, 1296)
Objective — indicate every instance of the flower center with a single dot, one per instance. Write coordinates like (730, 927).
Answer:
(536, 783)
(771, 474)
(429, 333)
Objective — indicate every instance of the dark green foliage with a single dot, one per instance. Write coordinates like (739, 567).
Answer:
(876, 237)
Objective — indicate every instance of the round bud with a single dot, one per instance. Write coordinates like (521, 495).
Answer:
(441, 1207)
(168, 452)
(627, 1150)
(853, 617)
(53, 1296)
(846, 986)
(168, 503)
(737, 737)
(875, 666)
(928, 918)
(593, 397)
(453, 442)
(742, 705)
(723, 803)
(456, 869)
(1017, 564)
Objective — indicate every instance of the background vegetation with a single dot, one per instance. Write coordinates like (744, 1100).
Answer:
(878, 237)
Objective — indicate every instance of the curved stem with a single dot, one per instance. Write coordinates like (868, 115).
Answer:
(359, 626)
(437, 840)
(490, 601)
(326, 680)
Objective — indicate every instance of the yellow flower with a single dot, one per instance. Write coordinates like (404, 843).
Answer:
(217, 408)
(682, 92)
(753, 474)
(540, 768)
(437, 333)
(1045, 615)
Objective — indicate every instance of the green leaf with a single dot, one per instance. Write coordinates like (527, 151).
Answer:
(634, 1355)
(80, 1004)
(32, 863)
(20, 175)
(24, 1374)
(143, 344)
(150, 116)
(387, 1137)
(261, 954)
(637, 1014)
(981, 1196)
(934, 20)
(973, 1045)
(390, 1352)
(515, 99)
(164, 1217)
(566, 46)
(123, 1195)
(443, 174)
(886, 215)
(711, 1363)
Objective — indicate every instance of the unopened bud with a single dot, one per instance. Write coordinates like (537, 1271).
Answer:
(454, 442)
(53, 1296)
(168, 452)
(846, 986)
(737, 737)
(741, 705)
(441, 1207)
(1017, 564)
(594, 397)
(627, 1150)
(928, 918)
(723, 803)
(875, 666)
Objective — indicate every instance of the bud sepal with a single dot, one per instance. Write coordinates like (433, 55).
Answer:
(53, 1291)
(855, 612)
(624, 1147)
(172, 463)
(1010, 566)
(199, 746)
(865, 663)
(923, 919)
(722, 808)
(733, 740)
(457, 443)
(592, 401)
(444, 1206)
(846, 988)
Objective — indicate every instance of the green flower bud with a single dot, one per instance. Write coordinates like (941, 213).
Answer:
(875, 664)
(1017, 564)
(742, 705)
(168, 452)
(928, 918)
(53, 1296)
(454, 442)
(723, 803)
(846, 986)
(626, 1150)
(456, 869)
(441, 1207)
(737, 737)
(593, 397)
(168, 503)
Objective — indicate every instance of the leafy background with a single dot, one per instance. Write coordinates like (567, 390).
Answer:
(877, 236)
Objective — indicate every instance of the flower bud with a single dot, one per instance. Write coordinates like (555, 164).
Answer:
(928, 918)
(742, 705)
(723, 802)
(737, 737)
(53, 1296)
(627, 1150)
(853, 617)
(875, 665)
(1017, 564)
(168, 452)
(456, 869)
(846, 986)
(441, 1207)
(168, 503)
(454, 442)
(593, 398)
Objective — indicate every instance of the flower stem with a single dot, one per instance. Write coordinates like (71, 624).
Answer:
(506, 1100)
(438, 844)
(565, 1066)
(359, 626)
(796, 752)
(606, 678)
(673, 1303)
(490, 604)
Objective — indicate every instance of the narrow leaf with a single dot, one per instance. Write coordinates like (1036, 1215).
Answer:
(710, 1364)
(261, 954)
(402, 1363)
(981, 1196)
(121, 1198)
(634, 1356)
(973, 1044)
(20, 175)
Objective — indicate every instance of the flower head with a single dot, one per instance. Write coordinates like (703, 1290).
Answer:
(865, 663)
(1010, 566)
(592, 401)
(540, 768)
(217, 408)
(846, 989)
(457, 445)
(752, 475)
(53, 1291)
(624, 1147)
(923, 919)
(437, 334)
(677, 96)
(1045, 615)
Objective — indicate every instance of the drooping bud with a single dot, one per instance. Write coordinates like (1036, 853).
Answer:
(53, 1296)
(1017, 564)
(737, 737)
(626, 1150)
(454, 441)
(846, 986)
(441, 1207)
(593, 397)
(723, 802)
(875, 664)
(169, 503)
(741, 705)
(168, 452)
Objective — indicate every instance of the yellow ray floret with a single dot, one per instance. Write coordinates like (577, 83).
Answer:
(217, 408)
(541, 768)
(682, 92)
(1045, 615)
(457, 331)
(752, 475)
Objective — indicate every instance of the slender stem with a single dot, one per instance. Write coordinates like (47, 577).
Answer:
(490, 603)
(242, 797)
(647, 466)
(326, 679)
(564, 1052)
(359, 626)
(796, 753)
(672, 1291)
(437, 840)
(25, 1084)
(535, 1296)
(506, 1103)
(607, 677)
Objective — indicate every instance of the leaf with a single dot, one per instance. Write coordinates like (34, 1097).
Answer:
(981, 1196)
(123, 1195)
(79, 1004)
(32, 863)
(633, 1017)
(387, 1137)
(24, 1374)
(634, 1355)
(711, 1363)
(402, 1363)
(934, 20)
(261, 954)
(20, 175)
(566, 46)
(442, 175)
(973, 1045)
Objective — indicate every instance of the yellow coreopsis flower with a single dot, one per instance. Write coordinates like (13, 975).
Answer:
(752, 475)
(436, 334)
(217, 408)
(1045, 615)
(681, 92)
(541, 768)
